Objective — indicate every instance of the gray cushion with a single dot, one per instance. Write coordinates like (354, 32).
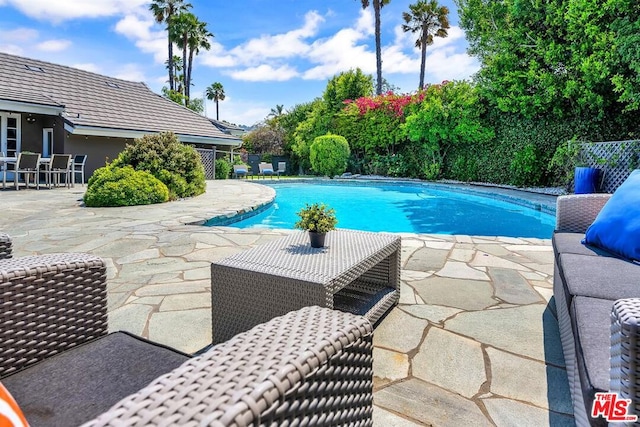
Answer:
(79, 384)
(591, 319)
(571, 243)
(600, 277)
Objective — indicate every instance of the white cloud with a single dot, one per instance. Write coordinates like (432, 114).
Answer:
(218, 57)
(87, 66)
(137, 28)
(264, 73)
(62, 10)
(286, 45)
(131, 72)
(11, 49)
(20, 35)
(53, 45)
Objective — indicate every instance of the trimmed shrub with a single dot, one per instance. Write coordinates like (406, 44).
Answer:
(223, 169)
(111, 186)
(329, 155)
(177, 165)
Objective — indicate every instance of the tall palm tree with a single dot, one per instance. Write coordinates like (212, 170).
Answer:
(377, 6)
(198, 39)
(429, 20)
(215, 93)
(190, 34)
(164, 11)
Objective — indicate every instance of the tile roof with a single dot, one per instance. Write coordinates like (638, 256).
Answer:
(96, 101)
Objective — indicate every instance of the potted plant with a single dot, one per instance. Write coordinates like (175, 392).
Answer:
(318, 219)
(575, 164)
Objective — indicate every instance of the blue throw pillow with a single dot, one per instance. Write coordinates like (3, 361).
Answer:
(617, 226)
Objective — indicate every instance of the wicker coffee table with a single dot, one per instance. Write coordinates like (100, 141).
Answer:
(356, 271)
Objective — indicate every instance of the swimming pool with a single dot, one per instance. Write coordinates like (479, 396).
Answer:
(404, 208)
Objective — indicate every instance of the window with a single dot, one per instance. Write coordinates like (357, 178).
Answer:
(47, 142)
(34, 68)
(113, 85)
(10, 134)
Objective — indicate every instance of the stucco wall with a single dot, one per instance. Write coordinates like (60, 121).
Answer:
(97, 149)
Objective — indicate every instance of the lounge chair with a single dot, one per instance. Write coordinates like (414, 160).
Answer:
(282, 168)
(265, 169)
(5, 246)
(240, 170)
(309, 367)
(28, 164)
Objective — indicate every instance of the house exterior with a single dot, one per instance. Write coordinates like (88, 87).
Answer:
(49, 108)
(228, 128)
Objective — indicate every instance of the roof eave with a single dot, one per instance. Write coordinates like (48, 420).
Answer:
(127, 133)
(28, 107)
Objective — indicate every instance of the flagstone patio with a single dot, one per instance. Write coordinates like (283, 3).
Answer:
(474, 340)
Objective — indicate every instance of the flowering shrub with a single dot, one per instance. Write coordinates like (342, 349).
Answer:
(389, 103)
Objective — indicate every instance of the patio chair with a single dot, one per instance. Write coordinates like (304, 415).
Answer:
(265, 169)
(3, 169)
(78, 168)
(282, 168)
(59, 166)
(5, 246)
(27, 164)
(311, 366)
(240, 170)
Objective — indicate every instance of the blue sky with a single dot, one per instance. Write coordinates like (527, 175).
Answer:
(264, 52)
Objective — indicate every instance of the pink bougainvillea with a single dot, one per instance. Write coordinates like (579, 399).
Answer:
(388, 102)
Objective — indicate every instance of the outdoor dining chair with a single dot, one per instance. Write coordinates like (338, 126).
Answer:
(3, 169)
(78, 167)
(27, 164)
(60, 165)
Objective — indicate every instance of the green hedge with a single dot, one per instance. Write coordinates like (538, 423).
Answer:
(177, 165)
(223, 169)
(329, 155)
(124, 186)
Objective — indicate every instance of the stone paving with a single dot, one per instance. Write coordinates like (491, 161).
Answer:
(474, 340)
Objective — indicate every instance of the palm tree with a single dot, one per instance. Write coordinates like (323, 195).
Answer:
(191, 35)
(429, 19)
(198, 39)
(164, 11)
(277, 111)
(377, 5)
(215, 92)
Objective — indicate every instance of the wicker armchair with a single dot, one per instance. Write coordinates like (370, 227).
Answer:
(596, 297)
(5, 246)
(309, 367)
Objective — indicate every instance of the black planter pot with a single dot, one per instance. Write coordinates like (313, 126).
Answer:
(317, 239)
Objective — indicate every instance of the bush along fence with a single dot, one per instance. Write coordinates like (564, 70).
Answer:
(615, 159)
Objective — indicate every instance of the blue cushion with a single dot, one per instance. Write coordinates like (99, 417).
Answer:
(241, 170)
(617, 226)
(267, 170)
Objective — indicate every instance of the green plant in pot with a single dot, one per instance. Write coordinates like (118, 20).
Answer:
(318, 219)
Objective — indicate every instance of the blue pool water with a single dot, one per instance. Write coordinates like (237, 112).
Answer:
(405, 208)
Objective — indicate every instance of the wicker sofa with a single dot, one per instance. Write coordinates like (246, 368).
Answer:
(309, 367)
(5, 246)
(595, 298)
